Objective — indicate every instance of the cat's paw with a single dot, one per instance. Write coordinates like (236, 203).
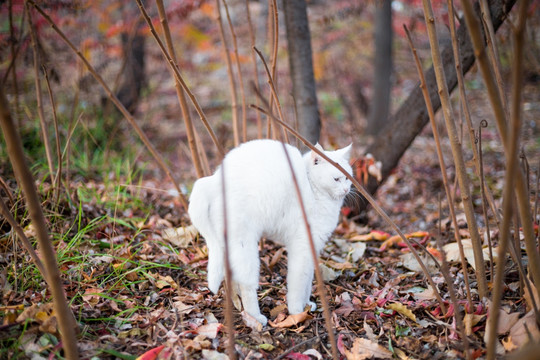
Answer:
(312, 306)
(261, 318)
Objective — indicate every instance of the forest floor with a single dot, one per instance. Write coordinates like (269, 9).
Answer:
(135, 274)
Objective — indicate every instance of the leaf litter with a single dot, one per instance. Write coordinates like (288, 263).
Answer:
(137, 283)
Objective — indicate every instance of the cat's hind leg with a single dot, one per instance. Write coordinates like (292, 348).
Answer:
(245, 266)
(216, 267)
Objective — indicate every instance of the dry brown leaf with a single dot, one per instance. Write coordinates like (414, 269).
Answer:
(278, 309)
(251, 322)
(214, 355)
(402, 309)
(525, 329)
(291, 320)
(470, 321)
(276, 257)
(452, 252)
(408, 261)
(49, 325)
(182, 308)
(374, 235)
(527, 294)
(508, 344)
(506, 321)
(339, 265)
(181, 236)
(367, 349)
(428, 294)
(210, 330)
(328, 274)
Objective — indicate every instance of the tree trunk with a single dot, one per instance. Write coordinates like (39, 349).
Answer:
(380, 110)
(301, 69)
(411, 117)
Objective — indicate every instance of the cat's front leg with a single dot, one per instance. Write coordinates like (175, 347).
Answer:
(299, 280)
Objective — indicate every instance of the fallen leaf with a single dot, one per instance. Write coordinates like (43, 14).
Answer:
(356, 250)
(527, 294)
(525, 329)
(210, 330)
(408, 261)
(183, 308)
(427, 294)
(297, 356)
(181, 236)
(402, 309)
(508, 344)
(151, 354)
(214, 355)
(292, 320)
(452, 252)
(506, 321)
(339, 265)
(367, 349)
(374, 235)
(131, 333)
(401, 354)
(278, 309)
(314, 353)
(369, 331)
(251, 322)
(266, 347)
(470, 321)
(328, 274)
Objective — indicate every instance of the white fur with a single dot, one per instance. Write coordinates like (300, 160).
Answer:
(262, 202)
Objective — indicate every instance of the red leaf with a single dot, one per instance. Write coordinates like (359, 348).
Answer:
(298, 356)
(151, 354)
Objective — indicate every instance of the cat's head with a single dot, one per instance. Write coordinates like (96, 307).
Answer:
(325, 177)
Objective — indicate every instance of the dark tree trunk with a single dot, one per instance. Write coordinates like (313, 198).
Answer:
(380, 109)
(411, 117)
(133, 76)
(301, 69)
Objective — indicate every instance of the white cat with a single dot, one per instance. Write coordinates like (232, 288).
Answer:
(262, 202)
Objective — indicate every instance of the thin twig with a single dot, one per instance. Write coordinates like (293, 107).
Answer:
(230, 72)
(239, 71)
(273, 91)
(57, 179)
(39, 97)
(228, 274)
(484, 124)
(446, 274)
(255, 70)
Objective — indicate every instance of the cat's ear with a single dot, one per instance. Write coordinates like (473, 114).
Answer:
(346, 152)
(316, 158)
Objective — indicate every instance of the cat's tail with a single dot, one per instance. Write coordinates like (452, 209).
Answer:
(205, 214)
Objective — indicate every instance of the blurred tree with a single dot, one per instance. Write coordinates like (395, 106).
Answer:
(301, 69)
(380, 109)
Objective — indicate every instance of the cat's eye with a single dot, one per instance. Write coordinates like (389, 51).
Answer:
(337, 179)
